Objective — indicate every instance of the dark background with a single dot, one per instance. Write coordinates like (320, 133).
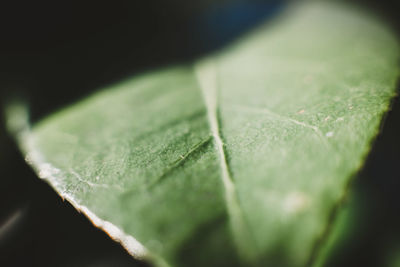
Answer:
(56, 52)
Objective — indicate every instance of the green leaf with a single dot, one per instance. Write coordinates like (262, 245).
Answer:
(239, 158)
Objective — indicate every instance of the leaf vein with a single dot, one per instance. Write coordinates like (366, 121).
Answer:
(207, 78)
(316, 130)
(178, 162)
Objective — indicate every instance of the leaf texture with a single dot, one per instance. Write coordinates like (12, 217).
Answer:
(237, 159)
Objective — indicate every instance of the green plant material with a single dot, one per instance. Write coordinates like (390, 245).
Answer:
(394, 257)
(237, 159)
(348, 221)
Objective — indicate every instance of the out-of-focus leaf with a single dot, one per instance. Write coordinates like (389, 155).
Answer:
(239, 158)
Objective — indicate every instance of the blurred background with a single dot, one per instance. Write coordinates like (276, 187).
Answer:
(56, 52)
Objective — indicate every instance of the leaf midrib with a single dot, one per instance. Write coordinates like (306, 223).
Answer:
(206, 74)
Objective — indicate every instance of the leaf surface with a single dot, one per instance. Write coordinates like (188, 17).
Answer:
(239, 158)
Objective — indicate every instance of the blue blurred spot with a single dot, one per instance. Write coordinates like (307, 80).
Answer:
(221, 24)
